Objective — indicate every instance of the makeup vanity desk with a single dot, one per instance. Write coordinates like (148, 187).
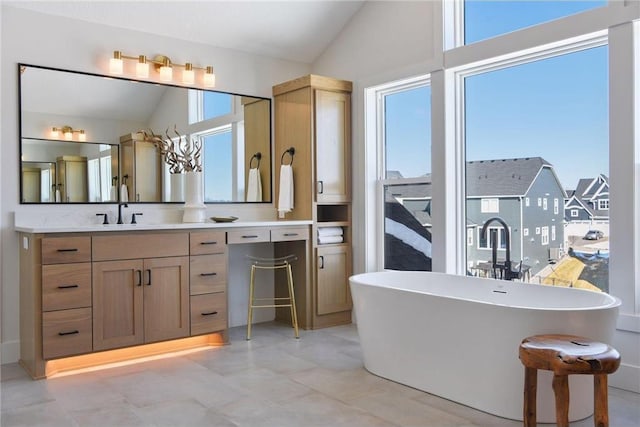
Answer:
(98, 294)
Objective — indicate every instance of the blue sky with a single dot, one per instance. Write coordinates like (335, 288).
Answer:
(555, 108)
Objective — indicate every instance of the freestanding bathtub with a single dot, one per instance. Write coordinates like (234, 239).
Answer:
(458, 337)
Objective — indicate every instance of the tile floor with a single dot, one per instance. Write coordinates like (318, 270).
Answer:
(272, 380)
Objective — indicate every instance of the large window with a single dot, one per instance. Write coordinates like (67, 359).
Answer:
(533, 130)
(484, 19)
(405, 110)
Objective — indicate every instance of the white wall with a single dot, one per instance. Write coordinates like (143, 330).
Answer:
(39, 39)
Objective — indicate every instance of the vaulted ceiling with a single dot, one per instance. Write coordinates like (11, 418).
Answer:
(292, 30)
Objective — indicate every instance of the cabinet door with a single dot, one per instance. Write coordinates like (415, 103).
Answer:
(166, 298)
(333, 135)
(117, 304)
(333, 270)
(148, 173)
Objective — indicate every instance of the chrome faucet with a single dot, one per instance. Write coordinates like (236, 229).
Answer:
(120, 212)
(506, 272)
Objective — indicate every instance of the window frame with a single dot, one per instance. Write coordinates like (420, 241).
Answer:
(603, 204)
(378, 96)
(490, 205)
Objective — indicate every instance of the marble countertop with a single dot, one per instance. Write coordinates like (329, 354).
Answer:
(53, 228)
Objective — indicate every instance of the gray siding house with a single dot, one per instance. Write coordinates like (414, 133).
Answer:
(524, 192)
(590, 200)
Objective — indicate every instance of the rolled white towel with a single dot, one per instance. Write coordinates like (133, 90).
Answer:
(323, 240)
(58, 197)
(113, 194)
(330, 231)
(124, 194)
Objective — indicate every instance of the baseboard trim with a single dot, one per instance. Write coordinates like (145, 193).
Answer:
(627, 377)
(10, 352)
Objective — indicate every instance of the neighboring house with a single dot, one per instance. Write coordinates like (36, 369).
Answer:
(589, 202)
(524, 192)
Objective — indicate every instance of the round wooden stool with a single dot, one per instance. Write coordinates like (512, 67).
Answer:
(566, 355)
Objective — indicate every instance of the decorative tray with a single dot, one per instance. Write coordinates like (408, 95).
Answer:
(223, 218)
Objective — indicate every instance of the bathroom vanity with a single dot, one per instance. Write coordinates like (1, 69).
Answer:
(112, 293)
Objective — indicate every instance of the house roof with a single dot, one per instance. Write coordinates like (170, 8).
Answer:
(589, 187)
(587, 191)
(502, 177)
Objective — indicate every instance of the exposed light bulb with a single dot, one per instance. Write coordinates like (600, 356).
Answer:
(116, 65)
(209, 77)
(55, 132)
(188, 76)
(68, 134)
(81, 135)
(142, 67)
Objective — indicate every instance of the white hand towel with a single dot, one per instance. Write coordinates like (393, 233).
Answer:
(254, 186)
(323, 240)
(58, 197)
(330, 231)
(285, 198)
(124, 194)
(113, 194)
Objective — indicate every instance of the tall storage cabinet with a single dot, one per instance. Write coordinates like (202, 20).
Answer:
(141, 168)
(72, 178)
(313, 116)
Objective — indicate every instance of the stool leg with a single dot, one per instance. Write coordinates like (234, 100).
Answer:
(250, 314)
(292, 299)
(600, 403)
(561, 390)
(530, 390)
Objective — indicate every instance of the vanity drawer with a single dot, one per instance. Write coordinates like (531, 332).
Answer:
(289, 234)
(207, 242)
(251, 235)
(66, 332)
(208, 273)
(62, 250)
(134, 246)
(208, 313)
(66, 286)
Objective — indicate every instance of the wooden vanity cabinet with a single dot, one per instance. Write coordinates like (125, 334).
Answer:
(332, 290)
(66, 296)
(208, 277)
(140, 289)
(313, 115)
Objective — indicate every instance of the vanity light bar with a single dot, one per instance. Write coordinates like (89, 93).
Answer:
(67, 132)
(164, 66)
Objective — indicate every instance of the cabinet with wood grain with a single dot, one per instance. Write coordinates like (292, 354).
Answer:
(313, 116)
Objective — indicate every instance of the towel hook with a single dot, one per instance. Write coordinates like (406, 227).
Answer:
(256, 156)
(291, 151)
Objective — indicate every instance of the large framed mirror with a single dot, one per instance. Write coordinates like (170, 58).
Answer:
(81, 139)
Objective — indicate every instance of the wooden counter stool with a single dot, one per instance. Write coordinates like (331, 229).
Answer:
(566, 355)
(290, 301)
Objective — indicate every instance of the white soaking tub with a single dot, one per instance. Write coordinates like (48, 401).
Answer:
(458, 337)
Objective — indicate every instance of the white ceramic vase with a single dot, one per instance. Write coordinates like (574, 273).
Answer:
(194, 208)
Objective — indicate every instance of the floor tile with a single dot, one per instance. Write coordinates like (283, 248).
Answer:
(271, 380)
